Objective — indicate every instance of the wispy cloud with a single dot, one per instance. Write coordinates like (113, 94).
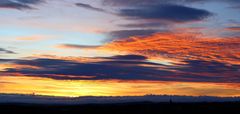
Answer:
(19, 4)
(183, 46)
(6, 51)
(89, 7)
(77, 46)
(144, 25)
(33, 38)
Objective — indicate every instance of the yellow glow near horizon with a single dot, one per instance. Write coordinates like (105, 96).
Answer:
(75, 88)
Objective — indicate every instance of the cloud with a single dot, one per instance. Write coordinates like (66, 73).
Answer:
(7, 60)
(153, 2)
(77, 46)
(236, 28)
(181, 46)
(19, 4)
(87, 6)
(139, 2)
(119, 34)
(197, 66)
(166, 12)
(151, 17)
(147, 17)
(65, 69)
(129, 57)
(144, 25)
(125, 67)
(90, 7)
(127, 2)
(2, 50)
(155, 14)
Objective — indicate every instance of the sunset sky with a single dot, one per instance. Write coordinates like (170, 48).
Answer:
(120, 47)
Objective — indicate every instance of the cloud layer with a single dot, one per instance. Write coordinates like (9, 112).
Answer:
(182, 46)
(166, 12)
(127, 67)
(147, 17)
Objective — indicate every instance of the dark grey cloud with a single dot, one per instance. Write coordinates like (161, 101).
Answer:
(165, 12)
(78, 46)
(129, 57)
(235, 28)
(230, 2)
(210, 70)
(128, 67)
(152, 16)
(153, 2)
(235, 6)
(19, 4)
(200, 66)
(144, 25)
(7, 60)
(117, 69)
(2, 50)
(87, 6)
(127, 33)
(138, 2)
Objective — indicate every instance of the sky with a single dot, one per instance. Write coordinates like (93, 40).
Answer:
(120, 47)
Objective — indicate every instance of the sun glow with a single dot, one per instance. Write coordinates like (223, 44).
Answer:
(75, 88)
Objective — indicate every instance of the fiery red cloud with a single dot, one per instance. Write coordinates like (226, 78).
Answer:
(183, 46)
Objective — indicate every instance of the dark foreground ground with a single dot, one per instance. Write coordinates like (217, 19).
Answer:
(124, 108)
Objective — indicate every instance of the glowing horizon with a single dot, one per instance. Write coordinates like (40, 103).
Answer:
(39, 86)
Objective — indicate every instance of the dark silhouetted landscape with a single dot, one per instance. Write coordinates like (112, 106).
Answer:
(125, 108)
(148, 104)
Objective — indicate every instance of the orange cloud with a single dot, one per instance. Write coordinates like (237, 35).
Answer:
(3, 67)
(33, 38)
(184, 46)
